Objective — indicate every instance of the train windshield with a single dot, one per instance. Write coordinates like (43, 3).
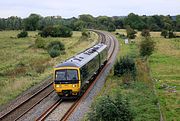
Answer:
(67, 75)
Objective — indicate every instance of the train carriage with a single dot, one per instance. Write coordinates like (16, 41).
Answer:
(72, 75)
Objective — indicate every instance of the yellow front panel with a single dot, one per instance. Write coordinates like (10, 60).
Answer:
(60, 87)
(74, 87)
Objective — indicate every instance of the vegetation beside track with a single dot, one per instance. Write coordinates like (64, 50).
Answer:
(24, 65)
(159, 74)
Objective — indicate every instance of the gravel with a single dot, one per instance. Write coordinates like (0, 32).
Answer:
(34, 113)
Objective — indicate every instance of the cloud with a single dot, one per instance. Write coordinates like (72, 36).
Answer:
(69, 8)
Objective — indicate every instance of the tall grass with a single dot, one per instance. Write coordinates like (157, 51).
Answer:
(23, 65)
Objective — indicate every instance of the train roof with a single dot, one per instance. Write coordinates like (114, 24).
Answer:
(84, 57)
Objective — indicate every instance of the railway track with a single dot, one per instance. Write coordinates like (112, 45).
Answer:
(111, 46)
(111, 50)
(26, 105)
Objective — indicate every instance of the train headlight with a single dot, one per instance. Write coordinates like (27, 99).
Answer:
(57, 85)
(74, 85)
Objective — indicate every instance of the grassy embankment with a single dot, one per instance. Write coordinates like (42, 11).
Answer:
(163, 66)
(22, 65)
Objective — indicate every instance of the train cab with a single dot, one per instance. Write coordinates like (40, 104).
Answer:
(67, 81)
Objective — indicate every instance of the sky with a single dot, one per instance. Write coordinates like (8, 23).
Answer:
(73, 8)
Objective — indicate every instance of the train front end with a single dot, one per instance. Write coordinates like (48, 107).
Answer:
(67, 81)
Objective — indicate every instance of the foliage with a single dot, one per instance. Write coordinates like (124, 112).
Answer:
(40, 43)
(54, 48)
(86, 21)
(22, 34)
(171, 34)
(130, 32)
(135, 21)
(124, 66)
(164, 33)
(54, 52)
(145, 33)
(147, 46)
(85, 33)
(56, 31)
(31, 23)
(108, 109)
(111, 27)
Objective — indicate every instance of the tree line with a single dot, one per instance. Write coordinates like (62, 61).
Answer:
(86, 21)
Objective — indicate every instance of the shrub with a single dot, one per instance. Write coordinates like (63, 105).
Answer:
(147, 47)
(145, 33)
(22, 34)
(171, 34)
(54, 48)
(56, 31)
(130, 32)
(40, 43)
(59, 45)
(85, 33)
(109, 109)
(164, 33)
(54, 52)
(125, 66)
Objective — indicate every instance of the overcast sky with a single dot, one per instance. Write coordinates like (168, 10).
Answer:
(70, 8)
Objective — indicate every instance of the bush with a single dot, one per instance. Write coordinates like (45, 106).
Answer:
(125, 65)
(171, 34)
(56, 31)
(147, 47)
(40, 43)
(145, 33)
(130, 32)
(85, 33)
(22, 34)
(54, 52)
(109, 109)
(164, 33)
(54, 48)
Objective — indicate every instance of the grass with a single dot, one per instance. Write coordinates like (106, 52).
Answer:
(165, 69)
(165, 66)
(140, 94)
(23, 65)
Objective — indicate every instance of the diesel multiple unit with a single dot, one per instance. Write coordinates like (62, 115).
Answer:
(72, 75)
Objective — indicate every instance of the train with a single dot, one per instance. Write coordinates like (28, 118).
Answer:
(72, 75)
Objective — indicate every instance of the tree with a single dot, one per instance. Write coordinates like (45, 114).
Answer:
(130, 32)
(111, 27)
(145, 33)
(56, 31)
(135, 21)
(31, 23)
(79, 25)
(147, 46)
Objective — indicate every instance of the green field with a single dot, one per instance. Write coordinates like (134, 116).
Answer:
(22, 65)
(165, 66)
(165, 71)
(161, 74)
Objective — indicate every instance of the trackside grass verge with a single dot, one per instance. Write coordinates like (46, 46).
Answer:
(23, 65)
